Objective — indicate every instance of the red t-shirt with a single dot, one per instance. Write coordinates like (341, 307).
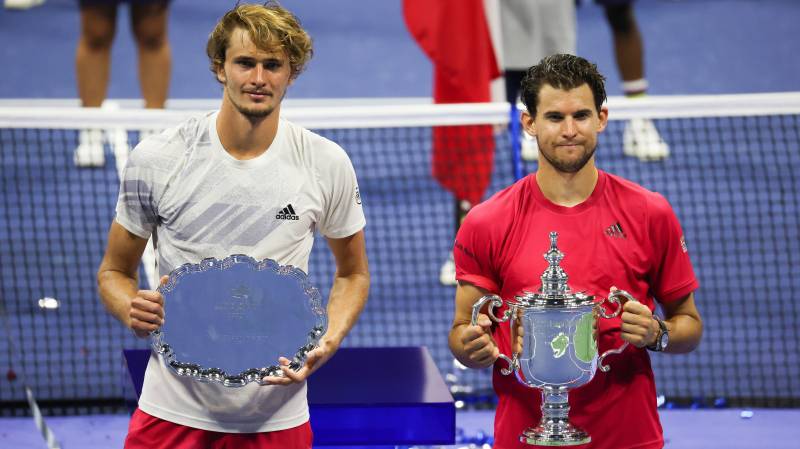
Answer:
(623, 235)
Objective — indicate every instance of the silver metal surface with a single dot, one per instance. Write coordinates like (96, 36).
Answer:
(228, 321)
(553, 345)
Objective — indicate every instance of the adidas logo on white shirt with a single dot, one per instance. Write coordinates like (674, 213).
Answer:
(287, 213)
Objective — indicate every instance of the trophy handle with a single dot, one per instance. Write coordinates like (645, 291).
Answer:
(613, 298)
(512, 365)
(496, 301)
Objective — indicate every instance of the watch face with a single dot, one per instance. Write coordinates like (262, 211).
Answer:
(662, 343)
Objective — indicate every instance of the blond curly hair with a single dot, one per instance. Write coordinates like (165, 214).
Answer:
(270, 26)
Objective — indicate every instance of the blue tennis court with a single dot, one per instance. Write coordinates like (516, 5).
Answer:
(732, 181)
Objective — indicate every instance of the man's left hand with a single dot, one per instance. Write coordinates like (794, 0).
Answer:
(639, 328)
(315, 359)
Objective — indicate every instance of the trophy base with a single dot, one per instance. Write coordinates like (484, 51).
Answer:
(563, 435)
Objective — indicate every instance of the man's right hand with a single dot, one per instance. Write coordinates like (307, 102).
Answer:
(479, 346)
(147, 311)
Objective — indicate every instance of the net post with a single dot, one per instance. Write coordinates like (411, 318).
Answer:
(516, 144)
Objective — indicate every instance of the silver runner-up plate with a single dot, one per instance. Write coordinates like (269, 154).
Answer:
(228, 321)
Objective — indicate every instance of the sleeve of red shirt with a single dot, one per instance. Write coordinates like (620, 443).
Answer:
(672, 276)
(473, 251)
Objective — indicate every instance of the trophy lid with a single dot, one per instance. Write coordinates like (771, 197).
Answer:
(554, 292)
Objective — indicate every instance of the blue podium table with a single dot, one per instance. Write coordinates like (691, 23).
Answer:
(368, 396)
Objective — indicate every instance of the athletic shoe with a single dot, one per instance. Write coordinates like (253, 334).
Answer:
(529, 148)
(447, 274)
(641, 139)
(22, 4)
(89, 152)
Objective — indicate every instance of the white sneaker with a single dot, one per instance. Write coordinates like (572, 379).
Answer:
(89, 152)
(22, 4)
(529, 147)
(641, 139)
(447, 274)
(118, 140)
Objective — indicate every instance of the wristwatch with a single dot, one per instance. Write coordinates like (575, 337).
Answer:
(662, 339)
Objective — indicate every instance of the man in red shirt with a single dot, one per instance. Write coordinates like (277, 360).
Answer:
(614, 234)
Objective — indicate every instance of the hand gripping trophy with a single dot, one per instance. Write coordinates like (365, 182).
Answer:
(558, 351)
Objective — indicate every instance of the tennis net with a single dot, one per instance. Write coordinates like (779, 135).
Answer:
(728, 165)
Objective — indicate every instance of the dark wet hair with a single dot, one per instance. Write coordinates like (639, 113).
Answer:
(562, 72)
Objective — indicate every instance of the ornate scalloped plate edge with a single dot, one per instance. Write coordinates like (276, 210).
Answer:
(203, 374)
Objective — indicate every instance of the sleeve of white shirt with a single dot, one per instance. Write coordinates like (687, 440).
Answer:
(137, 209)
(343, 215)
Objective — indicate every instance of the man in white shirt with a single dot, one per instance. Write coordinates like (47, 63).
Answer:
(217, 185)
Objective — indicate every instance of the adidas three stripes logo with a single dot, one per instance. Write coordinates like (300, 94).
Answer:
(615, 231)
(287, 213)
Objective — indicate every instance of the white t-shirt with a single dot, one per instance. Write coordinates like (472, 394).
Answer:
(532, 30)
(198, 201)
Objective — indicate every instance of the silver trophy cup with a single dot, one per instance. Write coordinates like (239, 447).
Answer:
(553, 346)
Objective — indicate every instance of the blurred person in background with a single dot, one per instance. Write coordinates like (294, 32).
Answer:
(456, 36)
(93, 64)
(528, 31)
(640, 137)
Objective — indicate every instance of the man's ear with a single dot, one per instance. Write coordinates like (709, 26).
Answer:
(603, 119)
(528, 123)
(221, 74)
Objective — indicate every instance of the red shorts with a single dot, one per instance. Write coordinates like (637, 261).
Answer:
(149, 432)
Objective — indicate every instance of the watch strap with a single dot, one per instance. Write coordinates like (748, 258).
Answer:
(657, 346)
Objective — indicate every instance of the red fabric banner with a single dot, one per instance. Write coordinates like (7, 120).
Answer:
(455, 36)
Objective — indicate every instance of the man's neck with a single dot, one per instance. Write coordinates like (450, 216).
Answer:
(566, 189)
(243, 137)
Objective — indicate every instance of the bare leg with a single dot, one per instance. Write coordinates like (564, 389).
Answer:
(640, 137)
(93, 56)
(628, 48)
(149, 24)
